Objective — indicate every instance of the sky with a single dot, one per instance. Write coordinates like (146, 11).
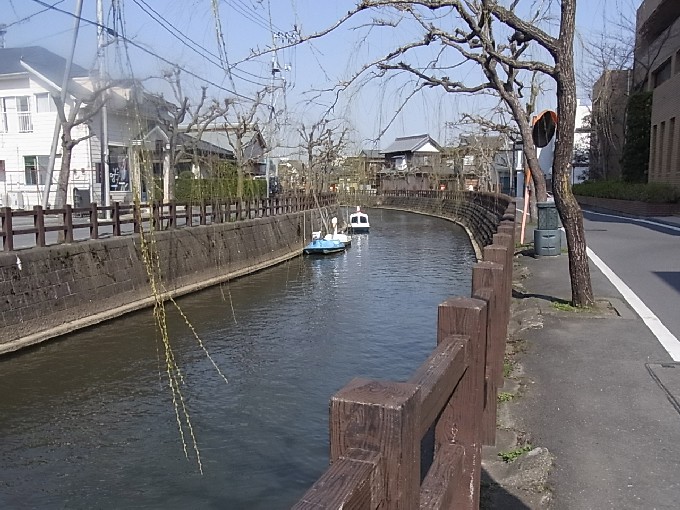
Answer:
(203, 37)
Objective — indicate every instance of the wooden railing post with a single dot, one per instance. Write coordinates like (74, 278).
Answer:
(39, 224)
(507, 241)
(381, 417)
(136, 218)
(488, 284)
(203, 212)
(172, 221)
(94, 221)
(499, 254)
(156, 216)
(116, 219)
(460, 421)
(7, 229)
(189, 214)
(68, 223)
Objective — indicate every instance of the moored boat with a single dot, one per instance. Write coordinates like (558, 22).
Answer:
(320, 246)
(358, 222)
(335, 236)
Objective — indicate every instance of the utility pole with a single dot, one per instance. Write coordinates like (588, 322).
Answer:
(275, 69)
(63, 95)
(104, 139)
(3, 31)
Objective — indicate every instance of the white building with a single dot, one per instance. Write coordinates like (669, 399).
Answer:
(29, 80)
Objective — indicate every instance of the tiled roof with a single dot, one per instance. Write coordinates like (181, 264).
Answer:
(370, 153)
(408, 144)
(42, 60)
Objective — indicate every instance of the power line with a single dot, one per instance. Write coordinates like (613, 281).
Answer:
(113, 33)
(245, 11)
(31, 15)
(188, 42)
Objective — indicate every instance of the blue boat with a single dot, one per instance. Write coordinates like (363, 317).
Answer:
(320, 246)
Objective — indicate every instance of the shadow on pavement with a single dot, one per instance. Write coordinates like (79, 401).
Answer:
(527, 295)
(495, 497)
(672, 278)
(605, 217)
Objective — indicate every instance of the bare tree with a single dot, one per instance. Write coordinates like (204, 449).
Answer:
(500, 42)
(237, 129)
(179, 118)
(505, 46)
(80, 113)
(322, 143)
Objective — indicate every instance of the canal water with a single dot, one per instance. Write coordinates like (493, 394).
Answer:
(88, 421)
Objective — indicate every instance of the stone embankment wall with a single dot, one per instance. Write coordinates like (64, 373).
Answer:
(478, 213)
(47, 292)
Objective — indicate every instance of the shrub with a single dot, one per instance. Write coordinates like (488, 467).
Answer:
(654, 192)
(635, 157)
(199, 190)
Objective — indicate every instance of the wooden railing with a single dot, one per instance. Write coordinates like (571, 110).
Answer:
(92, 222)
(376, 427)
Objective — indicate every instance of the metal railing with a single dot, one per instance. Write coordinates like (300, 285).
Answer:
(25, 122)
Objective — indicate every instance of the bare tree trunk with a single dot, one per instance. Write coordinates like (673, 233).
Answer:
(239, 181)
(570, 212)
(61, 193)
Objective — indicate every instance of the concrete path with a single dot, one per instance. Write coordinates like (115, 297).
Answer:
(600, 391)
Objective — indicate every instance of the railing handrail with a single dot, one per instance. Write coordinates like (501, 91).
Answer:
(156, 214)
(376, 427)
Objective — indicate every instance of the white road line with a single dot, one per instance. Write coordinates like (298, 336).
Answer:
(661, 332)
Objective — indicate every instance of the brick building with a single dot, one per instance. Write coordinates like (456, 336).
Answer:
(608, 120)
(657, 66)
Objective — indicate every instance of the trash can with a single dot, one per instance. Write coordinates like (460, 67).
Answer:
(548, 219)
(547, 243)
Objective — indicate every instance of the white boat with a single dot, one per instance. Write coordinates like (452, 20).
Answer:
(358, 222)
(335, 236)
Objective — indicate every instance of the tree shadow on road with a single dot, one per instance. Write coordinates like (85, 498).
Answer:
(516, 294)
(495, 497)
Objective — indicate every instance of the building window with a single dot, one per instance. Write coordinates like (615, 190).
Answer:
(44, 103)
(3, 114)
(652, 156)
(671, 145)
(35, 169)
(662, 73)
(3, 176)
(662, 144)
(24, 113)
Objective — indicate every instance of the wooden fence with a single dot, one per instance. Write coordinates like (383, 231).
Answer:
(376, 427)
(121, 219)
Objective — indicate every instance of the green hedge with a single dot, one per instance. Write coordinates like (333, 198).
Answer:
(198, 190)
(635, 157)
(655, 193)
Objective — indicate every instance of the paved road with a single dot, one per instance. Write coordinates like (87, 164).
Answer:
(601, 391)
(645, 255)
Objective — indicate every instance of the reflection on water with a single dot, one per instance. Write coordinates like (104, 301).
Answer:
(88, 421)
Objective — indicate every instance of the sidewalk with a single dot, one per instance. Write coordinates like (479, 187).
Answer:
(590, 397)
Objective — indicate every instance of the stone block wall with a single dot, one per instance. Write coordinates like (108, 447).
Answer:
(47, 292)
(478, 213)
